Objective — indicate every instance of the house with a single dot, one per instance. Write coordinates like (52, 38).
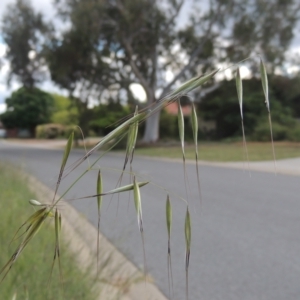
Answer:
(204, 126)
(172, 109)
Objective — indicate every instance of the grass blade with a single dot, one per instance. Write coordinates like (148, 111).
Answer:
(31, 232)
(190, 85)
(188, 235)
(64, 161)
(264, 81)
(121, 189)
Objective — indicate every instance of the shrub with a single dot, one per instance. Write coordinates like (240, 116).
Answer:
(262, 132)
(50, 131)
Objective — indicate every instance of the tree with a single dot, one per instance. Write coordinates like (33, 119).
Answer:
(23, 31)
(64, 111)
(27, 108)
(75, 66)
(142, 41)
(221, 106)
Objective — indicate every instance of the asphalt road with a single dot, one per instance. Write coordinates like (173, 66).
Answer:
(245, 235)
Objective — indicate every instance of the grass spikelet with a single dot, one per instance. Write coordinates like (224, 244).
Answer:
(190, 85)
(118, 132)
(35, 203)
(138, 207)
(264, 81)
(188, 235)
(169, 227)
(131, 140)
(33, 218)
(181, 128)
(239, 88)
(121, 189)
(64, 162)
(195, 128)
(57, 229)
(99, 203)
(30, 232)
(130, 147)
(181, 136)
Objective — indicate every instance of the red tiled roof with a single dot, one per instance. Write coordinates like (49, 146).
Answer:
(172, 109)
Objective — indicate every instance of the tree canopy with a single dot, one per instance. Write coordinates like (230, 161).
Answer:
(222, 107)
(23, 30)
(27, 108)
(142, 42)
(109, 45)
(64, 111)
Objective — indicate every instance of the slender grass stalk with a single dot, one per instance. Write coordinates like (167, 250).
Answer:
(64, 161)
(99, 203)
(264, 81)
(169, 228)
(239, 88)
(181, 136)
(122, 189)
(188, 236)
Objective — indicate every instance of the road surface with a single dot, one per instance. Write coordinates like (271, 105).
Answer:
(245, 235)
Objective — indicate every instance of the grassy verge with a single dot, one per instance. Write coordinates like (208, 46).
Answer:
(224, 152)
(29, 276)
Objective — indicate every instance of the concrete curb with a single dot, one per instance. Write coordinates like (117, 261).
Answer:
(119, 278)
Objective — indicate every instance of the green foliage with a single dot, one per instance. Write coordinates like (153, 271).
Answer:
(65, 112)
(293, 134)
(288, 91)
(222, 106)
(27, 108)
(262, 132)
(87, 55)
(50, 131)
(107, 117)
(168, 127)
(23, 31)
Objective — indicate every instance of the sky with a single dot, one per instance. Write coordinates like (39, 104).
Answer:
(46, 8)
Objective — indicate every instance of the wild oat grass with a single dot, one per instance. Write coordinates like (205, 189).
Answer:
(128, 127)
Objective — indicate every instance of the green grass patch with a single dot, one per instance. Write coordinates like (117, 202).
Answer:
(226, 152)
(29, 276)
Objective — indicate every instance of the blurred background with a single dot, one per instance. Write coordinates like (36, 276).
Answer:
(89, 63)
